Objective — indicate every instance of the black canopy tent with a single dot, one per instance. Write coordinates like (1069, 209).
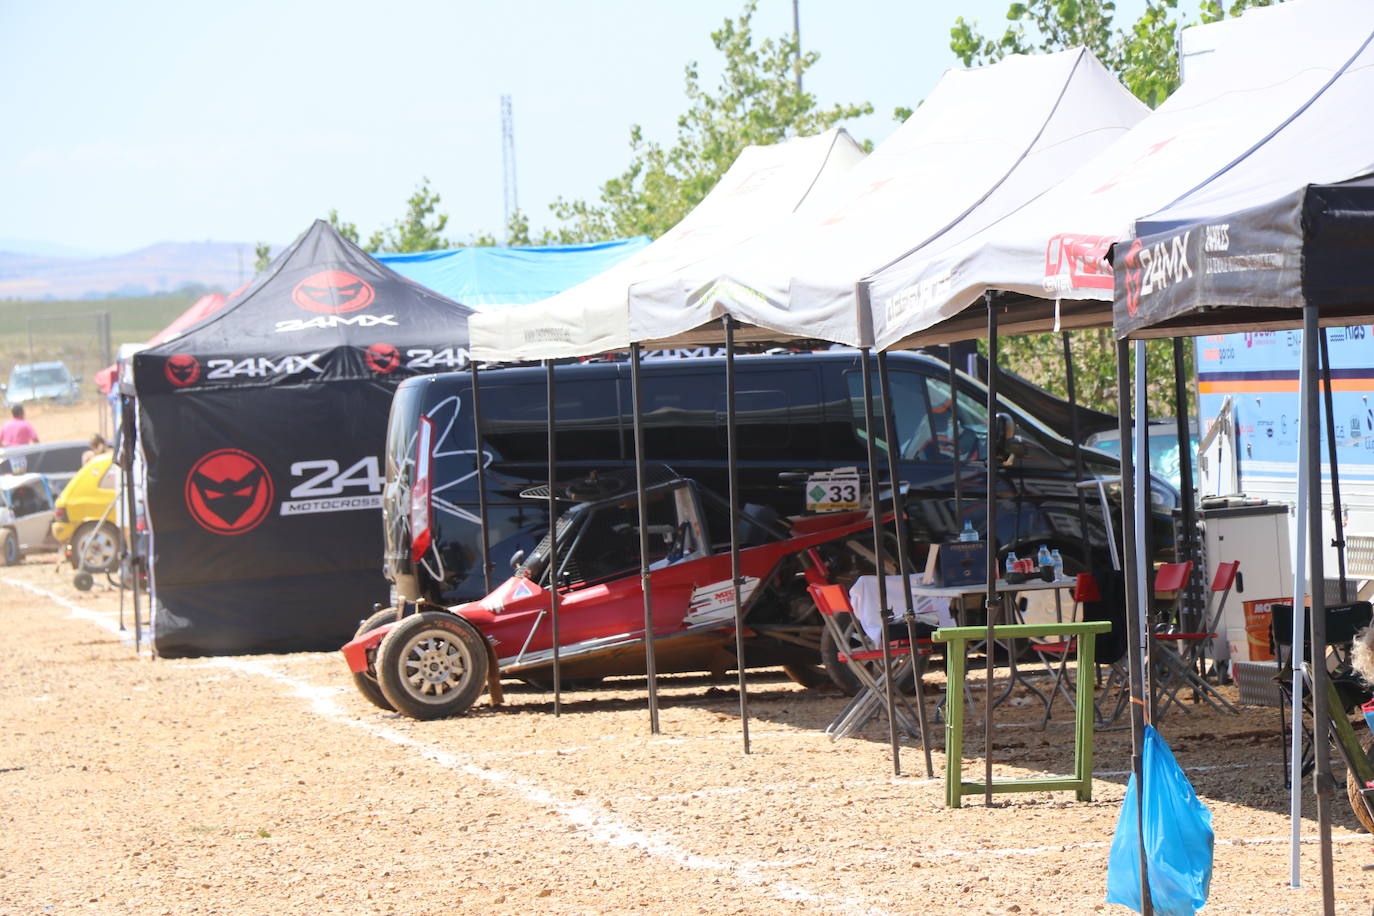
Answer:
(263, 429)
(1299, 260)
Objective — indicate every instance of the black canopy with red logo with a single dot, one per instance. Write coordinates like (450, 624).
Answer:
(262, 430)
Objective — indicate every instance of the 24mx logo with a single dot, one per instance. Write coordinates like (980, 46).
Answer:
(327, 488)
(262, 367)
(447, 358)
(335, 321)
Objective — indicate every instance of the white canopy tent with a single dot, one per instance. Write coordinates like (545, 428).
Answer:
(763, 187)
(984, 143)
(1301, 63)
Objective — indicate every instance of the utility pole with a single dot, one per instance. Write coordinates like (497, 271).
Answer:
(508, 160)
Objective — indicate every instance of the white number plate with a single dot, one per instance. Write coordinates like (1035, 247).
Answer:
(833, 491)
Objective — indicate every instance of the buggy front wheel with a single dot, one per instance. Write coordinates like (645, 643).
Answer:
(432, 664)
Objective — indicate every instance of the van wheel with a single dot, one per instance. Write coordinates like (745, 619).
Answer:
(366, 681)
(432, 664)
(9, 547)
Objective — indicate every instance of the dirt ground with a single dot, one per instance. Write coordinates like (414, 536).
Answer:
(268, 785)
(58, 422)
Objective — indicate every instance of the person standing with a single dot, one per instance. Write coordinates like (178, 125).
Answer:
(17, 430)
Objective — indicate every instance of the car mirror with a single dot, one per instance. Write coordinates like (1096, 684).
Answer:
(517, 558)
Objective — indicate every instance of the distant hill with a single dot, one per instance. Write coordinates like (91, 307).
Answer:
(161, 268)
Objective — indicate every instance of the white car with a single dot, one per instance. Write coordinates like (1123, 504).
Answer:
(26, 512)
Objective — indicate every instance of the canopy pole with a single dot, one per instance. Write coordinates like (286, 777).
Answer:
(481, 459)
(1299, 639)
(1075, 430)
(956, 460)
(1321, 776)
(1188, 519)
(1135, 657)
(880, 558)
(732, 463)
(553, 535)
(131, 511)
(1144, 568)
(992, 602)
(903, 554)
(1338, 541)
(650, 659)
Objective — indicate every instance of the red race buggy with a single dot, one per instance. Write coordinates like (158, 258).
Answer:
(435, 662)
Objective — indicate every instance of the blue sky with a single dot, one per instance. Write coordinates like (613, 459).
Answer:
(136, 122)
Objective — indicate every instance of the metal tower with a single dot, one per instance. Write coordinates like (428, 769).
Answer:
(508, 159)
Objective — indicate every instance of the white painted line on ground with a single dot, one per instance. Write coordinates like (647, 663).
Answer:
(582, 815)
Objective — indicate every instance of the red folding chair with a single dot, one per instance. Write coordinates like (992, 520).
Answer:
(1084, 590)
(859, 655)
(1178, 650)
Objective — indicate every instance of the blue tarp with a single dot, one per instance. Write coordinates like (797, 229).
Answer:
(482, 277)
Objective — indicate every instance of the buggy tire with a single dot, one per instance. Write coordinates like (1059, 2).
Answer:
(83, 581)
(431, 665)
(102, 554)
(1352, 789)
(9, 547)
(809, 676)
(366, 681)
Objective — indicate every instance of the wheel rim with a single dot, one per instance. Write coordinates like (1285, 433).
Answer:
(11, 549)
(99, 550)
(434, 666)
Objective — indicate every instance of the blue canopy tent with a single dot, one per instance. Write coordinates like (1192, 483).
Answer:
(482, 277)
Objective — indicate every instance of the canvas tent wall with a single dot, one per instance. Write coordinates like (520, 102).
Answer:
(1050, 252)
(262, 431)
(483, 277)
(763, 186)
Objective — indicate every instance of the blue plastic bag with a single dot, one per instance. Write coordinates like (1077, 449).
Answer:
(1178, 839)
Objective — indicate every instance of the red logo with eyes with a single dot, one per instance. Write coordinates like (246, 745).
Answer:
(333, 292)
(229, 492)
(181, 370)
(382, 358)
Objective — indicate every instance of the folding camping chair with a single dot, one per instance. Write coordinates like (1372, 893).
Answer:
(858, 653)
(1084, 590)
(1179, 651)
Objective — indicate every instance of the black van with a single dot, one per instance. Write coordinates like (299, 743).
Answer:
(796, 412)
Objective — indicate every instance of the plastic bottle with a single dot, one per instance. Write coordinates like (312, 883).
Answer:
(1058, 561)
(1011, 561)
(1043, 558)
(968, 534)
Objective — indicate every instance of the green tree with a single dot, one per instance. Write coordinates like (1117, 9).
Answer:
(758, 101)
(420, 229)
(1145, 58)
(262, 256)
(345, 229)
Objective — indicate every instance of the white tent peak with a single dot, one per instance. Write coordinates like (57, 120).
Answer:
(763, 186)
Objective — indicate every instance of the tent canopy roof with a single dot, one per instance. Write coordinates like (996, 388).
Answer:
(480, 277)
(983, 143)
(1218, 128)
(763, 186)
(321, 296)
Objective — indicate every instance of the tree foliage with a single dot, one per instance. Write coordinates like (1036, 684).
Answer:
(262, 256)
(756, 102)
(421, 228)
(1144, 56)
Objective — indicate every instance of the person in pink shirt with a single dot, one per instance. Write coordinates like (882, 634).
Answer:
(17, 430)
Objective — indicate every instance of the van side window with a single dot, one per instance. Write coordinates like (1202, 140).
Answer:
(911, 414)
(973, 421)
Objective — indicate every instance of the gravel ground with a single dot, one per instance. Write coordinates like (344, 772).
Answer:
(268, 785)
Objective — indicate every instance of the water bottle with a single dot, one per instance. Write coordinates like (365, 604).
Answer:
(1043, 558)
(968, 534)
(1011, 561)
(1058, 561)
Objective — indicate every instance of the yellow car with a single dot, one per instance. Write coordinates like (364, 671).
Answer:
(85, 520)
